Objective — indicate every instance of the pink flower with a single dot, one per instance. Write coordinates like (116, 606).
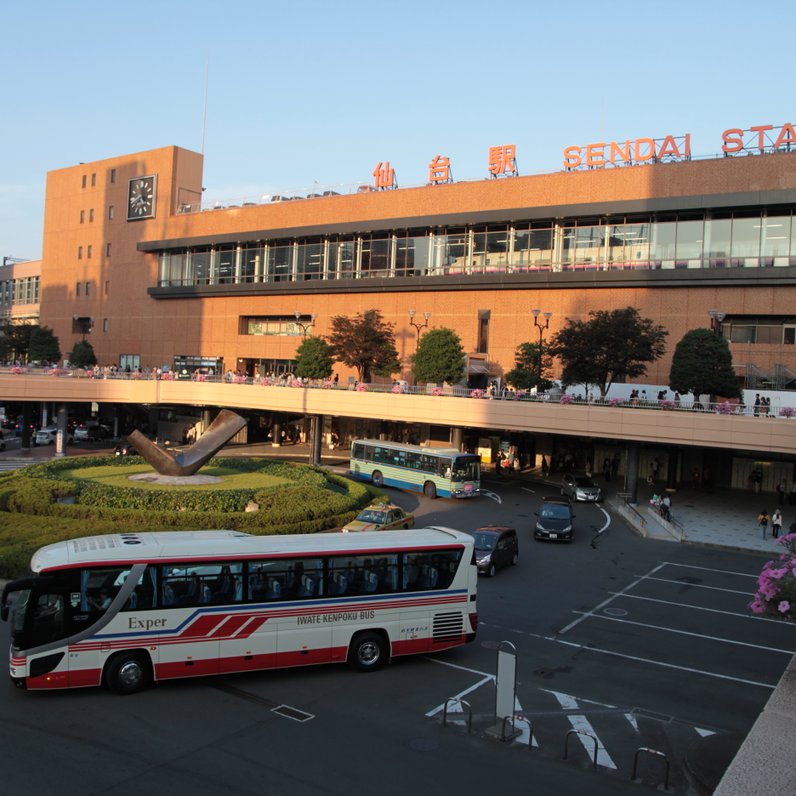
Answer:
(566, 399)
(784, 607)
(757, 606)
(437, 391)
(362, 387)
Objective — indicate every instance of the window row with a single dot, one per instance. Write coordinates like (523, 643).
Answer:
(739, 240)
(24, 290)
(85, 179)
(270, 580)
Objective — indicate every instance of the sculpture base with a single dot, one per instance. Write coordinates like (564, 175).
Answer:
(175, 480)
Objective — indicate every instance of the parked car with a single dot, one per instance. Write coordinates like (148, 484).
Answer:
(554, 519)
(580, 487)
(48, 435)
(381, 517)
(92, 431)
(496, 546)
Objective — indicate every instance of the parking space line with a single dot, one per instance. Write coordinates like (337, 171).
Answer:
(689, 633)
(639, 659)
(639, 579)
(588, 648)
(710, 569)
(703, 608)
(701, 586)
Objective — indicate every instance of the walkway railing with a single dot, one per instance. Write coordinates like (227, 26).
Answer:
(685, 404)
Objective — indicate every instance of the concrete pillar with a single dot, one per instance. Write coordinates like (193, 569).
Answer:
(27, 413)
(276, 432)
(60, 436)
(456, 438)
(206, 419)
(631, 471)
(316, 439)
(674, 468)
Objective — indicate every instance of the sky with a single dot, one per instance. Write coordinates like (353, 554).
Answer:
(293, 97)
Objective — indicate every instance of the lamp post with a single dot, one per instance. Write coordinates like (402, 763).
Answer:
(305, 327)
(418, 326)
(541, 327)
(716, 319)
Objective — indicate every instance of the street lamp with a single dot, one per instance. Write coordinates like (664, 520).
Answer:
(541, 327)
(418, 326)
(716, 319)
(305, 327)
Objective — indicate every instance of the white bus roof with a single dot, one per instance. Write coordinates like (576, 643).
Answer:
(405, 446)
(196, 545)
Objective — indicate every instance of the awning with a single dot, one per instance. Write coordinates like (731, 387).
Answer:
(477, 367)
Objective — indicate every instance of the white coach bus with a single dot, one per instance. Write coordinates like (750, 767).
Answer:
(129, 609)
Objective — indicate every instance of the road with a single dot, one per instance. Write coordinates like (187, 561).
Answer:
(632, 642)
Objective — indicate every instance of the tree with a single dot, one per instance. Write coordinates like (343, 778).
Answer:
(609, 347)
(439, 357)
(525, 373)
(702, 363)
(82, 355)
(15, 342)
(365, 343)
(44, 345)
(314, 359)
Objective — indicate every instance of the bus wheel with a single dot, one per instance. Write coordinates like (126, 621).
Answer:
(378, 479)
(367, 652)
(430, 490)
(127, 673)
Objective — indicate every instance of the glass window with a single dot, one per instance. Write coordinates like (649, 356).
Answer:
(690, 236)
(664, 235)
(491, 247)
(285, 579)
(375, 259)
(251, 263)
(111, 212)
(412, 251)
(309, 259)
(533, 247)
(430, 570)
(201, 583)
(48, 618)
(200, 265)
(450, 252)
(280, 262)
(775, 240)
(224, 272)
(746, 241)
(718, 240)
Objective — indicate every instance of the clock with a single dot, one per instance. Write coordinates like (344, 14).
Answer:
(141, 198)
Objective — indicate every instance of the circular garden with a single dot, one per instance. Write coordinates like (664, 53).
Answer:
(86, 496)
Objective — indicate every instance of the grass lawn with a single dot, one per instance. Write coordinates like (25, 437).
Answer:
(115, 475)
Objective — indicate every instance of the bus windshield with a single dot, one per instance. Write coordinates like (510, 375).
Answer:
(466, 468)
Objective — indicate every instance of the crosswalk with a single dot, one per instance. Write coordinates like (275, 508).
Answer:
(583, 732)
(13, 464)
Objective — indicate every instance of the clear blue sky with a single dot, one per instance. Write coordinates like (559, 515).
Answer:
(312, 91)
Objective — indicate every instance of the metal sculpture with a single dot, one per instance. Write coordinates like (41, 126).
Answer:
(224, 427)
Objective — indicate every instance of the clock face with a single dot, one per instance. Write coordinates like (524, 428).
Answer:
(141, 198)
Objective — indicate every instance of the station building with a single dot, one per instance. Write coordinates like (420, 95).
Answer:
(131, 255)
(134, 257)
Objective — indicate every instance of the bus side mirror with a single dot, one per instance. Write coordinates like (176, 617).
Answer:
(4, 612)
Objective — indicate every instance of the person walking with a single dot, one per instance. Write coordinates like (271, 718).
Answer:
(782, 488)
(776, 523)
(762, 522)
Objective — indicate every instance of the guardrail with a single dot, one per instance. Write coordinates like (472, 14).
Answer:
(685, 405)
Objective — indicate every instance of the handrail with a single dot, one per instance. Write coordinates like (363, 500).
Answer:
(450, 392)
(463, 702)
(625, 496)
(656, 753)
(588, 735)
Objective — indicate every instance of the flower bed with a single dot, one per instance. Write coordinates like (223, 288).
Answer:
(776, 584)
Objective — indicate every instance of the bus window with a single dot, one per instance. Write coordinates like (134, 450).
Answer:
(48, 619)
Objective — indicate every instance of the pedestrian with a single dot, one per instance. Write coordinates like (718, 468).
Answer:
(545, 468)
(676, 399)
(782, 487)
(792, 498)
(695, 478)
(762, 522)
(757, 405)
(776, 523)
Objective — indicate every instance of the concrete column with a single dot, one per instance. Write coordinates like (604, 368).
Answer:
(60, 436)
(25, 423)
(456, 438)
(206, 419)
(675, 460)
(316, 439)
(631, 471)
(276, 432)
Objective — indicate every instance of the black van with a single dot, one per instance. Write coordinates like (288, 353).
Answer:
(496, 546)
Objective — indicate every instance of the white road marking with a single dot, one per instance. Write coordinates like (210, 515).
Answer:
(711, 610)
(704, 733)
(699, 586)
(581, 723)
(527, 489)
(689, 633)
(488, 679)
(491, 495)
(637, 658)
(639, 579)
(709, 569)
